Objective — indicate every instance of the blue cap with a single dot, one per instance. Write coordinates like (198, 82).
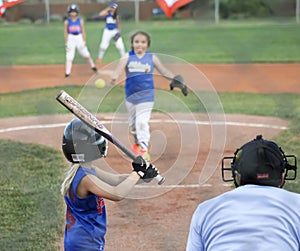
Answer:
(113, 5)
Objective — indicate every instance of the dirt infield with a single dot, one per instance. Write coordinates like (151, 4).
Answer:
(256, 78)
(157, 218)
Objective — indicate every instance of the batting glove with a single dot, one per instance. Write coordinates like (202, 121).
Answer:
(151, 173)
(144, 169)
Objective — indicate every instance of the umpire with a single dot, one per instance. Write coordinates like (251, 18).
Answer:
(257, 215)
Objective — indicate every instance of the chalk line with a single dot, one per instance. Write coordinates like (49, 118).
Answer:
(154, 121)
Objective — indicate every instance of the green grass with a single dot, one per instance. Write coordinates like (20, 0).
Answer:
(31, 207)
(193, 41)
(285, 106)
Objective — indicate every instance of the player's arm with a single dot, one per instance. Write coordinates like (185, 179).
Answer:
(66, 31)
(110, 178)
(162, 69)
(119, 69)
(97, 185)
(104, 12)
(82, 29)
(92, 184)
(177, 81)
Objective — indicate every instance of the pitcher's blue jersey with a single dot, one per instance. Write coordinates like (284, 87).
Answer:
(74, 27)
(85, 218)
(110, 22)
(139, 85)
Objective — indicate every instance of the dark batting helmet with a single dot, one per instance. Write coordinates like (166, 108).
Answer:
(73, 7)
(81, 143)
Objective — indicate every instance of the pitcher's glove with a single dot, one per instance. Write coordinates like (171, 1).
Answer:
(117, 36)
(178, 82)
(144, 169)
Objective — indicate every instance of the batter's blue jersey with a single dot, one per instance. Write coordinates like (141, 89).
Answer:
(85, 218)
(139, 85)
(249, 218)
(111, 22)
(74, 27)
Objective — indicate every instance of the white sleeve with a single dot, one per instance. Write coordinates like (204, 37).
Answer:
(194, 242)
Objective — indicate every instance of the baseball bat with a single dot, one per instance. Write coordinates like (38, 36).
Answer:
(79, 111)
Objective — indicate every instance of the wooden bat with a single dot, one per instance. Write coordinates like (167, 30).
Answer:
(79, 111)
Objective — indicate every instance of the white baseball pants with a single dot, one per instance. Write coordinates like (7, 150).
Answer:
(139, 118)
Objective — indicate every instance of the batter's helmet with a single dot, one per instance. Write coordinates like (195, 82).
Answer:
(260, 162)
(81, 143)
(73, 7)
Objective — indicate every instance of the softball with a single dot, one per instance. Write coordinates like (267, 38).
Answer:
(100, 83)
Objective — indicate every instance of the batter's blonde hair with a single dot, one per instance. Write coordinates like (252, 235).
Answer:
(65, 186)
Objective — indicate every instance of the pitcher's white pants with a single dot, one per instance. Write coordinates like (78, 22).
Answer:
(106, 37)
(139, 118)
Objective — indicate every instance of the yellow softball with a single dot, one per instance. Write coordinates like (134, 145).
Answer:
(100, 83)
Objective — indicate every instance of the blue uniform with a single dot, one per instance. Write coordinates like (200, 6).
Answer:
(110, 22)
(139, 85)
(74, 27)
(85, 218)
(247, 218)
(110, 31)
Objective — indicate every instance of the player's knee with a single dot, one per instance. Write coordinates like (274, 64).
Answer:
(132, 130)
(86, 55)
(142, 125)
(103, 47)
(120, 46)
(69, 57)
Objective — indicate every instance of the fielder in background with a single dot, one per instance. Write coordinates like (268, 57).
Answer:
(139, 65)
(258, 214)
(111, 31)
(75, 38)
(85, 187)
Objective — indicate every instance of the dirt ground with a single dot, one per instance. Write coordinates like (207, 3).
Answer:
(187, 154)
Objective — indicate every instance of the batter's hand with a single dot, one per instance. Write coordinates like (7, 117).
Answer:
(144, 169)
(151, 173)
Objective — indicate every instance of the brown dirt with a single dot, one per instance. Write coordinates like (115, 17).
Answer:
(157, 218)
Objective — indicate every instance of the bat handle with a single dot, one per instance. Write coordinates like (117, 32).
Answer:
(160, 179)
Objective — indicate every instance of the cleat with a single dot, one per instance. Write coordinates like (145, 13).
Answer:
(67, 75)
(94, 69)
(136, 149)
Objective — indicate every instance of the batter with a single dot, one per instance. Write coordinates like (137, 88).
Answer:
(86, 186)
